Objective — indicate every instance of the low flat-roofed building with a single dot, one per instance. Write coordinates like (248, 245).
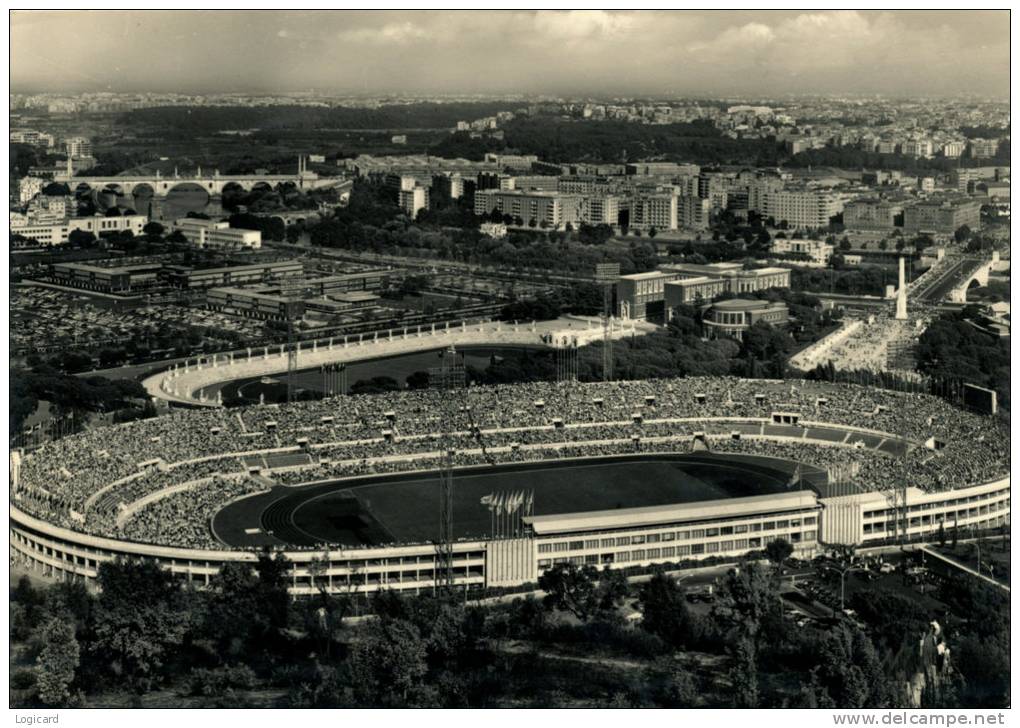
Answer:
(735, 316)
(107, 279)
(57, 233)
(758, 279)
(254, 303)
(219, 235)
(340, 302)
(493, 229)
(372, 280)
(688, 291)
(641, 295)
(650, 295)
(818, 252)
(739, 280)
(185, 277)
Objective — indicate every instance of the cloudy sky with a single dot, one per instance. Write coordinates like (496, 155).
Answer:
(563, 52)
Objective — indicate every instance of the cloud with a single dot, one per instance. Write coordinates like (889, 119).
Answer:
(596, 52)
(390, 33)
(842, 51)
(582, 24)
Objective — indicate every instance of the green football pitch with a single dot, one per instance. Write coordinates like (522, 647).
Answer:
(406, 509)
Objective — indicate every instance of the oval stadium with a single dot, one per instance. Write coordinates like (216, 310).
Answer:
(491, 485)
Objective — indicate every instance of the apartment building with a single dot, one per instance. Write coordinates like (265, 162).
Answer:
(944, 217)
(544, 209)
(871, 214)
(802, 208)
(413, 200)
(694, 213)
(658, 210)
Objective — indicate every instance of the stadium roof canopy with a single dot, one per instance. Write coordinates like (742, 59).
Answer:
(677, 513)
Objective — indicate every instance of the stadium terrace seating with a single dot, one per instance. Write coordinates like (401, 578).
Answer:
(85, 481)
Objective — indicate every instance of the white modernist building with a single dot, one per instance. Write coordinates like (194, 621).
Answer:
(57, 233)
(211, 234)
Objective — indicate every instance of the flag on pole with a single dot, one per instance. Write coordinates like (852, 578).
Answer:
(489, 501)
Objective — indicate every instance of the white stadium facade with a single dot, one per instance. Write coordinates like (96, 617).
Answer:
(57, 526)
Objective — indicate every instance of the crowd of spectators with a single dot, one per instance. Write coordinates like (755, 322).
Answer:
(183, 518)
(85, 481)
(873, 344)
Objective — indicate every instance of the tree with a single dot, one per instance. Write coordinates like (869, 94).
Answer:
(235, 618)
(153, 229)
(387, 668)
(142, 617)
(111, 357)
(744, 674)
(74, 362)
(613, 590)
(962, 233)
(274, 580)
(679, 688)
(778, 551)
(750, 593)
(81, 238)
(56, 189)
(849, 673)
(570, 588)
(57, 663)
(664, 610)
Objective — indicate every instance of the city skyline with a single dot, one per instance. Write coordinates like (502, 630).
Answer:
(900, 53)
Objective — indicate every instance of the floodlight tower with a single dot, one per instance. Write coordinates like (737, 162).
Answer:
(292, 357)
(606, 275)
(448, 377)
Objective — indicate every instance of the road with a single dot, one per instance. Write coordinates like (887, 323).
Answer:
(433, 264)
(938, 288)
(963, 567)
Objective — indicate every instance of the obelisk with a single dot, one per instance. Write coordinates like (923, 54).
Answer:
(901, 295)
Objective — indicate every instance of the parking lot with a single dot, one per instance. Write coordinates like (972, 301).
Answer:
(46, 321)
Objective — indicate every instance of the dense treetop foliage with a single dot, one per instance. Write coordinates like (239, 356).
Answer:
(243, 642)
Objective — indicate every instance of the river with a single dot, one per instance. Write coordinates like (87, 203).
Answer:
(178, 203)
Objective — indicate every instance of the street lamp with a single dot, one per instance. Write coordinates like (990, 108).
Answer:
(842, 582)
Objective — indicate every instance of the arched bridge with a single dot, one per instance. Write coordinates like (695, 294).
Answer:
(977, 272)
(213, 184)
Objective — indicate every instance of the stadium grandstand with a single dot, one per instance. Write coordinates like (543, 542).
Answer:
(352, 482)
